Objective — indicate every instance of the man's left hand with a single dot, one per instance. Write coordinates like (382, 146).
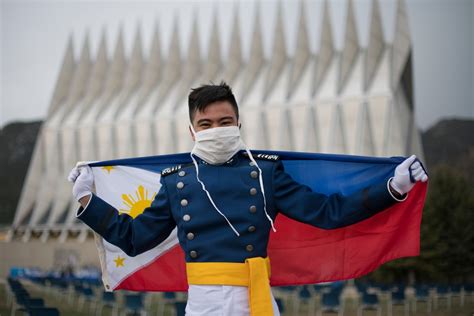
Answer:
(407, 174)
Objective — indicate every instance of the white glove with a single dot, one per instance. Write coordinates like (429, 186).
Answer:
(407, 174)
(83, 180)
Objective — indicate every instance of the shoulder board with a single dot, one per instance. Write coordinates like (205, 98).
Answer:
(167, 171)
(269, 157)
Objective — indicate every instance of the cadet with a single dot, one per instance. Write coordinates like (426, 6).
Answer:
(224, 205)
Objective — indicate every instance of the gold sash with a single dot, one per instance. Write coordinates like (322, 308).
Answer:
(254, 273)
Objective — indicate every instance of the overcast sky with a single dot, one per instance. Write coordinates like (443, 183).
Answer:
(34, 34)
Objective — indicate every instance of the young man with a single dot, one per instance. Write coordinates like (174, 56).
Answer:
(224, 205)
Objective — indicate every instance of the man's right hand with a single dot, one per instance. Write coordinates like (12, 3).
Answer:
(83, 180)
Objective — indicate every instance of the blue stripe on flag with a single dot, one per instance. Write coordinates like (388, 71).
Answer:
(324, 173)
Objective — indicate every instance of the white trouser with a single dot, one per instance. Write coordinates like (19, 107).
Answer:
(220, 300)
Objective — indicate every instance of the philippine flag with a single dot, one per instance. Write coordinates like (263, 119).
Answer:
(299, 253)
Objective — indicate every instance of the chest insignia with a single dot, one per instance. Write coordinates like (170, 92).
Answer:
(269, 157)
(167, 171)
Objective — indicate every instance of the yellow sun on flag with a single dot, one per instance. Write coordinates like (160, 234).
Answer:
(136, 204)
(108, 168)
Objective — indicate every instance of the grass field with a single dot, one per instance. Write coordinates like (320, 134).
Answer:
(71, 305)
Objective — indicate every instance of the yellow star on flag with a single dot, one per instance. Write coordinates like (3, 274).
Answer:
(108, 168)
(119, 261)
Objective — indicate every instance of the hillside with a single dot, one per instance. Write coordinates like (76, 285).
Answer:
(451, 143)
(17, 141)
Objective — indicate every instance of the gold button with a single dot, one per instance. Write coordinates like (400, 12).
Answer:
(180, 185)
(182, 173)
(184, 202)
(253, 209)
(190, 236)
(253, 191)
(254, 174)
(193, 254)
(251, 229)
(249, 248)
(186, 217)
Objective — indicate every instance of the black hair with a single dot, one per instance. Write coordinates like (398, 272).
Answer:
(199, 98)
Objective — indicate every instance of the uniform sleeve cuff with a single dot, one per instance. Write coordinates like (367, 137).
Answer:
(403, 197)
(81, 209)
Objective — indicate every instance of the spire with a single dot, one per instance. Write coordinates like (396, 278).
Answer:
(279, 55)
(311, 139)
(214, 61)
(364, 141)
(116, 71)
(32, 183)
(398, 126)
(285, 131)
(191, 69)
(81, 75)
(261, 129)
(64, 78)
(154, 64)
(99, 69)
(302, 53)
(401, 43)
(256, 59)
(135, 64)
(172, 70)
(326, 48)
(375, 47)
(193, 62)
(234, 59)
(337, 143)
(350, 50)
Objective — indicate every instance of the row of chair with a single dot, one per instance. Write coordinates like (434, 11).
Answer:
(431, 295)
(20, 301)
(329, 298)
(318, 299)
(91, 299)
(87, 297)
(315, 299)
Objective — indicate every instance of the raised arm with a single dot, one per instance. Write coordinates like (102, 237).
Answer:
(300, 203)
(133, 236)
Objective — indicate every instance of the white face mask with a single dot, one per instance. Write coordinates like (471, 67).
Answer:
(217, 145)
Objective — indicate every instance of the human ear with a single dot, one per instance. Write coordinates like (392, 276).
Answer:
(192, 134)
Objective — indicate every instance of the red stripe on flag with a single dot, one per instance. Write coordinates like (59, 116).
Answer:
(302, 254)
(166, 273)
